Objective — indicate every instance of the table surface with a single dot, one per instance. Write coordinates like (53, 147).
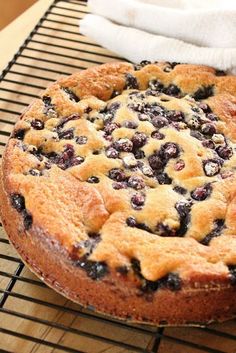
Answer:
(11, 38)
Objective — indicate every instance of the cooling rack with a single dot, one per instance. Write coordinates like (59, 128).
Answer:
(33, 318)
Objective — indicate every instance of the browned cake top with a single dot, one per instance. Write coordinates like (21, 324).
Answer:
(132, 169)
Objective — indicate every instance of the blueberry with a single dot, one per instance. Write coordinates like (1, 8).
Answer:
(137, 201)
(146, 109)
(73, 97)
(81, 140)
(131, 221)
(157, 135)
(145, 63)
(76, 161)
(131, 82)
(135, 94)
(143, 226)
(155, 85)
(183, 208)
(204, 92)
(220, 73)
(87, 110)
(27, 220)
(108, 137)
(136, 182)
(169, 150)
(224, 152)
(117, 174)
(141, 64)
(18, 202)
(143, 117)
(179, 165)
(119, 185)
(107, 117)
(201, 193)
(66, 134)
(163, 178)
(109, 128)
(123, 270)
(49, 108)
(93, 180)
(172, 90)
(94, 269)
(139, 154)
(149, 286)
(112, 153)
(66, 159)
(155, 162)
(151, 92)
(219, 225)
(109, 112)
(130, 124)
(47, 101)
(170, 66)
(137, 107)
(123, 145)
(159, 121)
(163, 230)
(196, 109)
(37, 124)
(139, 139)
(87, 246)
(135, 263)
(113, 107)
(208, 144)
(175, 115)
(19, 134)
(208, 129)
(205, 107)
(38, 153)
(66, 119)
(96, 152)
(69, 151)
(35, 172)
(232, 272)
(115, 94)
(173, 281)
(212, 117)
(180, 190)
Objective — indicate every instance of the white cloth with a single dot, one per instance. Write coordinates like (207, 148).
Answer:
(202, 22)
(189, 31)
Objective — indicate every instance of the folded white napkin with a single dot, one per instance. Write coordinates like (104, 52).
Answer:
(189, 31)
(202, 22)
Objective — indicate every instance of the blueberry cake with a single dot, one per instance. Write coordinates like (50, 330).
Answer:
(118, 190)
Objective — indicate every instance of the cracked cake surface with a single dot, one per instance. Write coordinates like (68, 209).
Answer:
(125, 176)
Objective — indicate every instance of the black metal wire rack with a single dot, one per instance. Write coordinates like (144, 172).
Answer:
(33, 318)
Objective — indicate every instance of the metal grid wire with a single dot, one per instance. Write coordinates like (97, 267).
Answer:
(33, 318)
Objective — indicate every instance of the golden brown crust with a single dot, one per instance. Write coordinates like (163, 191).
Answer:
(66, 209)
(115, 295)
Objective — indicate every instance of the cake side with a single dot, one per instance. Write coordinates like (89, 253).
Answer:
(91, 160)
(115, 294)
